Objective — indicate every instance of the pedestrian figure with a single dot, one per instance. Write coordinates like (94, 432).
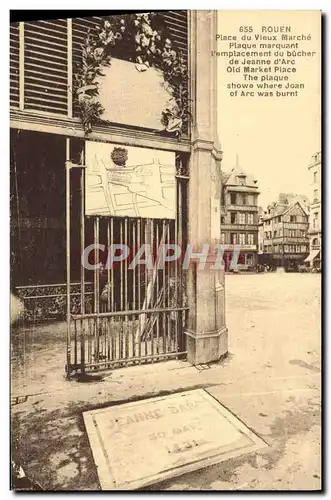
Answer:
(104, 287)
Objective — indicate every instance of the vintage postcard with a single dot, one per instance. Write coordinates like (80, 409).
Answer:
(166, 250)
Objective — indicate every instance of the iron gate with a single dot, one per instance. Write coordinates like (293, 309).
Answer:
(138, 315)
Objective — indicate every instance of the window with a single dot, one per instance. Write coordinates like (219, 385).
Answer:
(293, 218)
(222, 219)
(266, 235)
(233, 217)
(241, 239)
(222, 238)
(286, 248)
(265, 248)
(14, 64)
(241, 180)
(275, 234)
(45, 74)
(233, 198)
(45, 46)
(250, 239)
(315, 176)
(250, 199)
(315, 219)
(241, 218)
(250, 218)
(315, 195)
(233, 238)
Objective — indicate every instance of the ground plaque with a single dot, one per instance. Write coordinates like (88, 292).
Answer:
(137, 444)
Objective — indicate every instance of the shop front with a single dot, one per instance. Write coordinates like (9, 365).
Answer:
(242, 257)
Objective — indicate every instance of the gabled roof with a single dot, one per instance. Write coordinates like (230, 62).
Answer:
(285, 202)
(239, 172)
(298, 202)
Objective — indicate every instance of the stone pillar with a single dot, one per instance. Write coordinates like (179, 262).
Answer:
(207, 336)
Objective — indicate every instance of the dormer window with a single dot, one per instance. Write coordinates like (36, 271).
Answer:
(241, 179)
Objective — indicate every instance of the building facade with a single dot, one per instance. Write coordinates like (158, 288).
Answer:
(284, 229)
(85, 85)
(315, 219)
(239, 217)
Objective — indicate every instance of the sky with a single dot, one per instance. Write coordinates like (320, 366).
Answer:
(274, 137)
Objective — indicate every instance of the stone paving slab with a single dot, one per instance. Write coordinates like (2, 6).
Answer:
(138, 444)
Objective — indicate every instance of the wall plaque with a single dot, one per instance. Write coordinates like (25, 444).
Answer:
(133, 97)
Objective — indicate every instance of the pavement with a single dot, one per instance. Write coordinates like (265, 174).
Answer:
(271, 380)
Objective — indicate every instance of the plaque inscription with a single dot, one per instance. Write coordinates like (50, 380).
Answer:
(137, 444)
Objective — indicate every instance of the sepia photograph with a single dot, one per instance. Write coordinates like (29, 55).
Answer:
(166, 250)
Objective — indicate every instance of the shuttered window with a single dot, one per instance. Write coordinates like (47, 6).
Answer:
(45, 66)
(177, 25)
(176, 22)
(45, 58)
(80, 28)
(14, 64)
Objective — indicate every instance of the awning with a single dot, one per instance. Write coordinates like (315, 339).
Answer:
(313, 254)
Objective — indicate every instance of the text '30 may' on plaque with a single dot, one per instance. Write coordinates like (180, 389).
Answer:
(137, 444)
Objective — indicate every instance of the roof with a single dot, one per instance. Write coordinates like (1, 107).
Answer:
(298, 202)
(224, 177)
(282, 209)
(285, 202)
(236, 172)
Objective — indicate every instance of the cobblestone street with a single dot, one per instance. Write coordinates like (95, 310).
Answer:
(270, 380)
